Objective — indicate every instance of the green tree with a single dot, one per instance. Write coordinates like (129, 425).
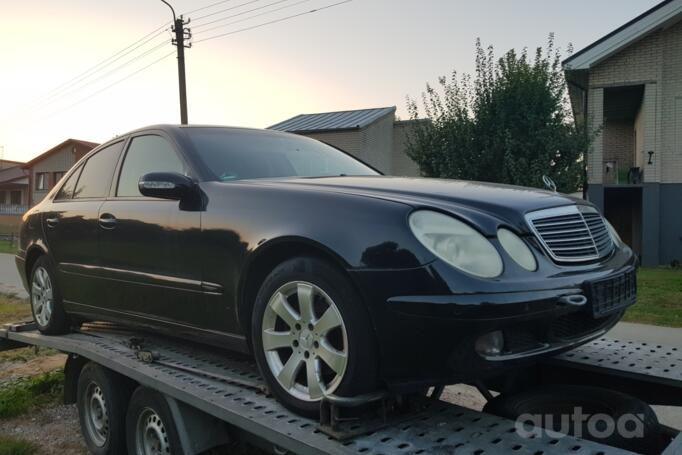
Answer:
(510, 123)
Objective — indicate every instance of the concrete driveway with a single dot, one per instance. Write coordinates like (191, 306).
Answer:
(10, 282)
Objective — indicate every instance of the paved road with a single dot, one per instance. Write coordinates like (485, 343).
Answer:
(647, 333)
(10, 282)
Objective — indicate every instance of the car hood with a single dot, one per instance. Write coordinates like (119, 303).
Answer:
(503, 202)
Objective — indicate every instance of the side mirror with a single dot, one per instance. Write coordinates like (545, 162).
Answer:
(166, 185)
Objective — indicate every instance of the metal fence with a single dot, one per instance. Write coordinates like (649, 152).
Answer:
(12, 209)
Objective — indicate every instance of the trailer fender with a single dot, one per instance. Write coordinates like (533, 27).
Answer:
(72, 370)
(198, 431)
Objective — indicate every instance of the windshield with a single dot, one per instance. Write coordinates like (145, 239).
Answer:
(241, 154)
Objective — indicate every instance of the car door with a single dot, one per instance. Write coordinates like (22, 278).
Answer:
(148, 247)
(70, 224)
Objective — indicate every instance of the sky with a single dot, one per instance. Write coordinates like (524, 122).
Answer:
(360, 54)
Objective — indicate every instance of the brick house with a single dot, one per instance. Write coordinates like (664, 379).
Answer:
(627, 86)
(45, 170)
(372, 135)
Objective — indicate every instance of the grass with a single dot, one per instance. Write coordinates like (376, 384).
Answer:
(6, 247)
(14, 446)
(659, 297)
(13, 309)
(21, 396)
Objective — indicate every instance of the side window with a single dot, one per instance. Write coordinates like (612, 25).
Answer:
(66, 191)
(97, 172)
(146, 154)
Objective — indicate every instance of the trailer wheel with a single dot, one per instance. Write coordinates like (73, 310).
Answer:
(102, 398)
(550, 405)
(150, 427)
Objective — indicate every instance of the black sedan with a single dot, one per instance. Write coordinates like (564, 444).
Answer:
(339, 280)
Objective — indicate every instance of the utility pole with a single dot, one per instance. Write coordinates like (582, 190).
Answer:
(182, 34)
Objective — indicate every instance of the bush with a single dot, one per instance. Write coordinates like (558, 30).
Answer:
(511, 123)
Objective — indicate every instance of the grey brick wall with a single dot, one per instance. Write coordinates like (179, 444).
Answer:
(655, 62)
(619, 143)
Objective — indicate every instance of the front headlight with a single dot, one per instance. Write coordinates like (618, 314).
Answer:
(456, 243)
(517, 249)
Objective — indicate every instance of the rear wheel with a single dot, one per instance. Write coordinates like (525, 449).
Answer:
(102, 398)
(311, 335)
(46, 299)
(150, 427)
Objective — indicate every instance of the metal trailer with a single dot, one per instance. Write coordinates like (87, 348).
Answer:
(217, 398)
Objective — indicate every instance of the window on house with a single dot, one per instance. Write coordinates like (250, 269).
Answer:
(42, 183)
(57, 176)
(15, 197)
(3, 197)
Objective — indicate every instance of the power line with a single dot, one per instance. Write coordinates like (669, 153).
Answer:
(82, 100)
(253, 16)
(272, 22)
(104, 63)
(240, 14)
(224, 10)
(205, 7)
(87, 83)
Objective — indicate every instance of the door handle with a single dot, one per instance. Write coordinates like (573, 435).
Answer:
(107, 221)
(52, 222)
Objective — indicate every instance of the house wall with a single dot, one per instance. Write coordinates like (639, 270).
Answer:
(59, 161)
(619, 144)
(378, 143)
(381, 145)
(639, 139)
(403, 164)
(656, 63)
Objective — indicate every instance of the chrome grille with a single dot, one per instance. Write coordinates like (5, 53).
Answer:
(572, 233)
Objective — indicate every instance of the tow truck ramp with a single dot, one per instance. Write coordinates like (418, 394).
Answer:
(230, 389)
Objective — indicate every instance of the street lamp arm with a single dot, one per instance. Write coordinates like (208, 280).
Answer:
(172, 10)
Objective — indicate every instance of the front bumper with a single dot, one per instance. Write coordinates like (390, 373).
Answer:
(427, 319)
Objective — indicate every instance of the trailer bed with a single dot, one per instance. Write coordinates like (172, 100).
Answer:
(229, 388)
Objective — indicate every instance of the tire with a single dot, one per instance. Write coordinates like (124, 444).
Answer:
(102, 398)
(149, 423)
(299, 341)
(562, 400)
(47, 306)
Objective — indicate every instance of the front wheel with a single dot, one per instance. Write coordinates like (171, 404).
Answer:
(46, 299)
(311, 335)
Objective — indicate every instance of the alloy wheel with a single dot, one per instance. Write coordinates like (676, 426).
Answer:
(150, 434)
(42, 296)
(305, 341)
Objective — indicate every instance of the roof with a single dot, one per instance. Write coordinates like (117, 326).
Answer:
(11, 174)
(331, 121)
(660, 16)
(55, 149)
(6, 164)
